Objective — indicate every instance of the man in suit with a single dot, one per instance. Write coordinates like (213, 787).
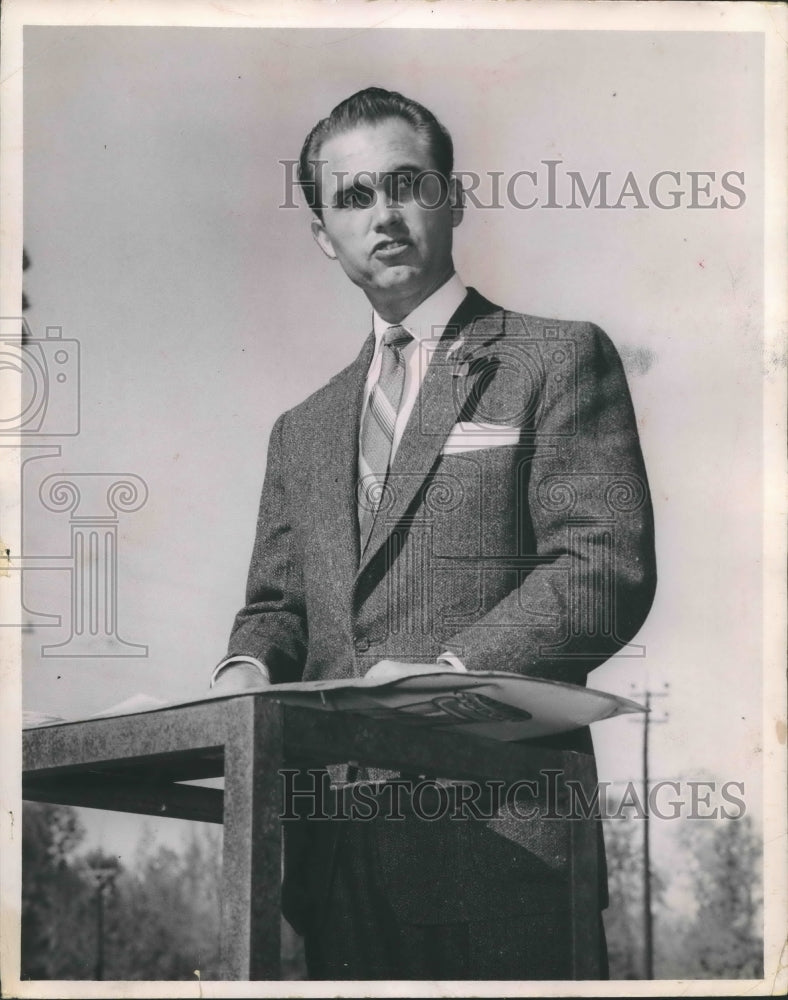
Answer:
(469, 491)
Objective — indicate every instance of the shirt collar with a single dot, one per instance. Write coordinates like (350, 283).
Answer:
(430, 317)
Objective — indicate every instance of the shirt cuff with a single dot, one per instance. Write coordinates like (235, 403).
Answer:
(251, 660)
(453, 661)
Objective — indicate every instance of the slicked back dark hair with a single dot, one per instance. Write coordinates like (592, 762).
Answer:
(369, 107)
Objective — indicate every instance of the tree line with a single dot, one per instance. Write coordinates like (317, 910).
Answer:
(87, 915)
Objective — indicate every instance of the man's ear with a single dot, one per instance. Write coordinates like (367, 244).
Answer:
(456, 200)
(322, 238)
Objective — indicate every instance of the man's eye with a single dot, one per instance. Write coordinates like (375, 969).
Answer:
(356, 198)
(401, 186)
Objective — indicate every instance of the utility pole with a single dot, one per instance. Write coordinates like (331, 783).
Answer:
(103, 876)
(99, 930)
(648, 914)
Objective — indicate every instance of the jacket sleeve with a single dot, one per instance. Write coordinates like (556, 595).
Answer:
(272, 625)
(590, 581)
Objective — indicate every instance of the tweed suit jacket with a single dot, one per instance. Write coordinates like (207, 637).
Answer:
(515, 530)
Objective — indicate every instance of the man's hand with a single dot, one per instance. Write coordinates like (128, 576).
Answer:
(237, 677)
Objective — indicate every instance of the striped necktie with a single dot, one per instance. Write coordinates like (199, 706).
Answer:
(377, 428)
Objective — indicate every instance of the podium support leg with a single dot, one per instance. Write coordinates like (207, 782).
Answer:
(251, 872)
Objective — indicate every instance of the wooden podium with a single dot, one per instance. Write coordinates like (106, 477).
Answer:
(137, 763)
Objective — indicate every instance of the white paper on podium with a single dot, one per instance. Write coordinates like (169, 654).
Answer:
(492, 704)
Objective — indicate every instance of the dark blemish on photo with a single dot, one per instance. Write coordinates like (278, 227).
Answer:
(637, 360)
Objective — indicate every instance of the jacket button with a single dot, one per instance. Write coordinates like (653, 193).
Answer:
(362, 645)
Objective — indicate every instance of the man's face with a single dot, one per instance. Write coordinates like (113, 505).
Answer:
(387, 217)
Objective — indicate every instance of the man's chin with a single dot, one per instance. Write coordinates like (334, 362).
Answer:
(406, 280)
(399, 274)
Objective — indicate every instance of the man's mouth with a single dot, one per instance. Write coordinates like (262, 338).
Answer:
(389, 249)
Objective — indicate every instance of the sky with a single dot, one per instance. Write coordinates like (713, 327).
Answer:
(155, 174)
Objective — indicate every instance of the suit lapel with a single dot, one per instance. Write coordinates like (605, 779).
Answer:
(337, 464)
(448, 383)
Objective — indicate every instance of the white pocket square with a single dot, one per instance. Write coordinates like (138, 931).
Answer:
(471, 436)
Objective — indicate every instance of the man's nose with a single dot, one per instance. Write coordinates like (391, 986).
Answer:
(387, 209)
